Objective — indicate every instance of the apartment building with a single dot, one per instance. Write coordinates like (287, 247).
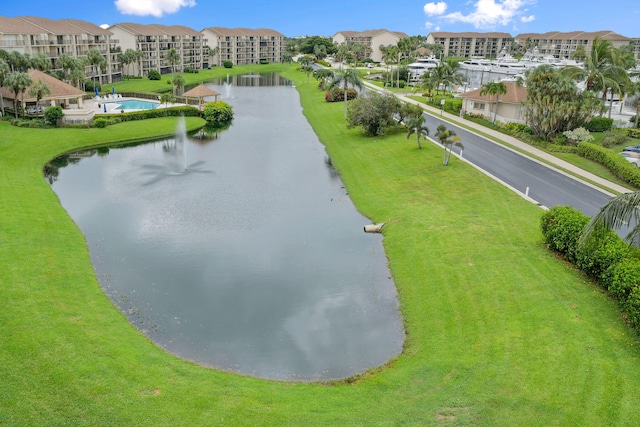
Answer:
(370, 39)
(41, 36)
(563, 44)
(155, 41)
(244, 46)
(467, 44)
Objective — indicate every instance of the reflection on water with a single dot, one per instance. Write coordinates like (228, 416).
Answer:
(252, 260)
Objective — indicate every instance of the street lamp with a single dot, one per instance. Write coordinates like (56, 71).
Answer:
(441, 106)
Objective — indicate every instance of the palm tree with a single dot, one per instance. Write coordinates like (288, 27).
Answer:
(347, 77)
(447, 138)
(41, 62)
(215, 53)
(40, 89)
(127, 58)
(178, 82)
(304, 61)
(389, 54)
(17, 82)
(416, 125)
(620, 210)
(173, 59)
(287, 57)
(323, 75)
(4, 72)
(165, 99)
(308, 70)
(497, 89)
(95, 59)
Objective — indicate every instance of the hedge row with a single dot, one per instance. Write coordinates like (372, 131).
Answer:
(614, 264)
(186, 111)
(617, 164)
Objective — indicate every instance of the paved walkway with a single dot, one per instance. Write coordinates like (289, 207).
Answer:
(535, 153)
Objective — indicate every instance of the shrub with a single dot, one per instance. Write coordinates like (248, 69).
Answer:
(191, 70)
(337, 94)
(562, 227)
(227, 64)
(599, 124)
(578, 135)
(614, 137)
(153, 75)
(90, 86)
(598, 257)
(218, 112)
(52, 115)
(633, 133)
(624, 277)
(100, 122)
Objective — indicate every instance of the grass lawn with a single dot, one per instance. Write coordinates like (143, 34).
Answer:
(499, 331)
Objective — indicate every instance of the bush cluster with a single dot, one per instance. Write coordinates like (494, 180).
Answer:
(599, 124)
(191, 70)
(153, 75)
(218, 112)
(227, 64)
(610, 261)
(617, 164)
(633, 132)
(337, 94)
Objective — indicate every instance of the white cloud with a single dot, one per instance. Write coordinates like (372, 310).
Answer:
(431, 26)
(431, 9)
(105, 26)
(155, 8)
(529, 18)
(489, 13)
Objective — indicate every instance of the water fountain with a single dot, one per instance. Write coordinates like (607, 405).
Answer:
(181, 139)
(227, 88)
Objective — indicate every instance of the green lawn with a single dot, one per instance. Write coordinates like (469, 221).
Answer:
(499, 331)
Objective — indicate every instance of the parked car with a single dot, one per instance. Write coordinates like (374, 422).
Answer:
(635, 148)
(633, 160)
(634, 154)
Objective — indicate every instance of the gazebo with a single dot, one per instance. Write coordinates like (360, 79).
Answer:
(200, 92)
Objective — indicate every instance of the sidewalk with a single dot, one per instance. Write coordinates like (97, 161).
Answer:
(547, 159)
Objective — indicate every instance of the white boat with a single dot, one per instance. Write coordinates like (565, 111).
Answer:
(533, 58)
(476, 63)
(507, 64)
(421, 66)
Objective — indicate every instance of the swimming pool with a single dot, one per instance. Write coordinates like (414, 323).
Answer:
(135, 104)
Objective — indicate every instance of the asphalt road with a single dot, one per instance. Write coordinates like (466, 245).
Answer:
(547, 186)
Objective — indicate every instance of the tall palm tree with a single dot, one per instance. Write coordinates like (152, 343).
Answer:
(416, 125)
(323, 76)
(491, 89)
(178, 82)
(39, 89)
(447, 138)
(17, 82)
(97, 61)
(389, 54)
(173, 59)
(4, 72)
(346, 77)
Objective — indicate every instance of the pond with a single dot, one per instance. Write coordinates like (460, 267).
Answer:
(253, 259)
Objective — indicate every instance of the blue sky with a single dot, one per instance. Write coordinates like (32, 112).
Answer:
(299, 18)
